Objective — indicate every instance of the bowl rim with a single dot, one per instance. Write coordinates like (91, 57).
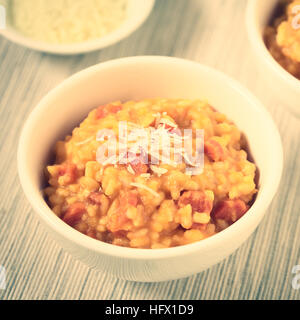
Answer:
(257, 42)
(253, 216)
(122, 32)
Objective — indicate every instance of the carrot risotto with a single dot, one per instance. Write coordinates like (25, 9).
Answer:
(149, 201)
(283, 36)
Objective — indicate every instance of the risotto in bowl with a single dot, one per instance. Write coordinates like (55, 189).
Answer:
(147, 166)
(143, 198)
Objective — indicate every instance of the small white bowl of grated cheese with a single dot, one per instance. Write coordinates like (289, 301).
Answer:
(72, 27)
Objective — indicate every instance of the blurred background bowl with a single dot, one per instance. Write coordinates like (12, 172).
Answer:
(137, 12)
(284, 86)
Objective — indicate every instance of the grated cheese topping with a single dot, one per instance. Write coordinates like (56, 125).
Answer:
(130, 170)
(158, 171)
(67, 21)
(142, 186)
(145, 175)
(84, 141)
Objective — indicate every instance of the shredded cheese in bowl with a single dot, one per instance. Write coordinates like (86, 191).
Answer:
(67, 21)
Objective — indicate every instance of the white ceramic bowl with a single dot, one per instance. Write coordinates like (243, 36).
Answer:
(139, 78)
(284, 86)
(137, 13)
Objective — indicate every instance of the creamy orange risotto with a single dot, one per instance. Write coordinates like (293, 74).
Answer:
(282, 37)
(144, 205)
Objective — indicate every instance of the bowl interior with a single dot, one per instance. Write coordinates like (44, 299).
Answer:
(264, 11)
(137, 12)
(139, 78)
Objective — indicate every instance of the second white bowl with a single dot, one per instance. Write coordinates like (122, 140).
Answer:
(284, 86)
(137, 13)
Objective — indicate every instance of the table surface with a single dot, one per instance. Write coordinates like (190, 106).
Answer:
(210, 32)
